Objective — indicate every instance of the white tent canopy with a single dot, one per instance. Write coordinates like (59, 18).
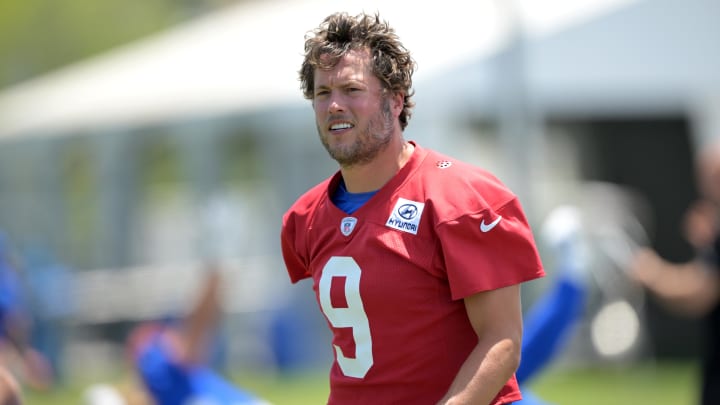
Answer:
(647, 58)
(246, 58)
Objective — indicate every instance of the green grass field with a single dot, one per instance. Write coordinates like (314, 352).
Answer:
(656, 384)
(645, 384)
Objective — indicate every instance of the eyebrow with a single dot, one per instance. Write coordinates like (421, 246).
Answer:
(346, 83)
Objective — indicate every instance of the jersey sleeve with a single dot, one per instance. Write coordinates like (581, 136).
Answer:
(487, 250)
(291, 243)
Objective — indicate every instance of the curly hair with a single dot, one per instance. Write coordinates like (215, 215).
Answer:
(340, 33)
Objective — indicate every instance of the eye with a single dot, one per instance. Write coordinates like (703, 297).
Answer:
(321, 93)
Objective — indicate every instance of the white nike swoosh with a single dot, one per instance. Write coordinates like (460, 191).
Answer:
(487, 227)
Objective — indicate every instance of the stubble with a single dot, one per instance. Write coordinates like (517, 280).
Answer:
(369, 142)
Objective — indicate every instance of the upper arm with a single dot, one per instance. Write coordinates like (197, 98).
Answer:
(496, 314)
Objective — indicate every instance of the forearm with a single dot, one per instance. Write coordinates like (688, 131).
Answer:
(203, 318)
(488, 367)
(689, 288)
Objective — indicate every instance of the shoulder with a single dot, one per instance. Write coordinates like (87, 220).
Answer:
(452, 183)
(307, 202)
(304, 209)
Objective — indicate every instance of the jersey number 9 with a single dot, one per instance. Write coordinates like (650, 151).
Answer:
(353, 316)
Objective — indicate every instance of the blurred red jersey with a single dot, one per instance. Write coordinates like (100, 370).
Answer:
(390, 278)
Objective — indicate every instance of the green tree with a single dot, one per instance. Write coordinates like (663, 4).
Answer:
(37, 36)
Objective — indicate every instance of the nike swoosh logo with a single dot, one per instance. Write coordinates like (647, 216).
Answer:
(488, 227)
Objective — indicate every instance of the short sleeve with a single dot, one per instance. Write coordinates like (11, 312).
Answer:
(488, 250)
(289, 241)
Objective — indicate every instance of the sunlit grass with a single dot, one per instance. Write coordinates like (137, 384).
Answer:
(643, 384)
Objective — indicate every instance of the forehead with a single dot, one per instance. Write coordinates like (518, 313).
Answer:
(354, 65)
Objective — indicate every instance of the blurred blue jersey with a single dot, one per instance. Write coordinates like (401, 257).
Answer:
(12, 304)
(171, 383)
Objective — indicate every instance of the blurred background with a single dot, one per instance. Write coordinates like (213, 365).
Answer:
(139, 137)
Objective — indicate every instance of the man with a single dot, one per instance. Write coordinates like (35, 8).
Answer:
(693, 288)
(416, 257)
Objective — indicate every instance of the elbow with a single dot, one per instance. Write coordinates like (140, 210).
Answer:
(511, 349)
(516, 353)
(515, 338)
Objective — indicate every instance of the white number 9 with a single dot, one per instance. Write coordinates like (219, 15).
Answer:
(353, 316)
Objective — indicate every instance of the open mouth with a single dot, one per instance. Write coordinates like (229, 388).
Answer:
(341, 126)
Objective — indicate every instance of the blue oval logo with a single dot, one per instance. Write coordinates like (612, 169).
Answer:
(407, 211)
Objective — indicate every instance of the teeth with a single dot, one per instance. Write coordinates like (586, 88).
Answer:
(343, 125)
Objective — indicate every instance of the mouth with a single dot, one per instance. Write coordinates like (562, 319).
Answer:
(340, 126)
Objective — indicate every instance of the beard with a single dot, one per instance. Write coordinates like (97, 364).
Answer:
(368, 143)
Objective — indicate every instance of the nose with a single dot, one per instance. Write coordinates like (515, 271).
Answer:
(335, 104)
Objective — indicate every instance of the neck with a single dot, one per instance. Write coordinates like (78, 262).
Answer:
(373, 175)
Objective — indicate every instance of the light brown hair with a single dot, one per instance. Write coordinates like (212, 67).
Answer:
(340, 33)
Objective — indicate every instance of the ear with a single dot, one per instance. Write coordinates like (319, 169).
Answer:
(397, 102)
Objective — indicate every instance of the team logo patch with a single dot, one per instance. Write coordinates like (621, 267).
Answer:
(443, 164)
(347, 225)
(406, 216)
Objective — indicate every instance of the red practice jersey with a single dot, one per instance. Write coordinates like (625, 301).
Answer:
(390, 278)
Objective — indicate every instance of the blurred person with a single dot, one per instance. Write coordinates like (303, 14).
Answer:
(590, 243)
(170, 356)
(17, 354)
(552, 318)
(10, 393)
(416, 257)
(50, 283)
(693, 288)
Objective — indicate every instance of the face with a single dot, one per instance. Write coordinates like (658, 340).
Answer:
(355, 118)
